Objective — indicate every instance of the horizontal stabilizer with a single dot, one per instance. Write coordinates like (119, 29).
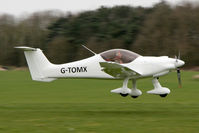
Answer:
(26, 48)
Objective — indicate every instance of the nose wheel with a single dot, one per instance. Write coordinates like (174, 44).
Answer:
(163, 95)
(158, 89)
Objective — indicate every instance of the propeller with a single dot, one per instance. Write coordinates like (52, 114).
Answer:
(179, 77)
(178, 71)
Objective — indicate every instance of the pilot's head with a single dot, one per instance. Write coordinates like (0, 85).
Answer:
(118, 54)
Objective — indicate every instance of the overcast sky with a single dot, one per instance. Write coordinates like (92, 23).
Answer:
(19, 7)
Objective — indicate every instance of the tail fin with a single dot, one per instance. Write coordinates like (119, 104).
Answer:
(37, 63)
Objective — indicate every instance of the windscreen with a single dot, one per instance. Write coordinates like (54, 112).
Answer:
(119, 55)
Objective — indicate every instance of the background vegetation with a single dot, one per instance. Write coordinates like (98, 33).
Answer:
(158, 30)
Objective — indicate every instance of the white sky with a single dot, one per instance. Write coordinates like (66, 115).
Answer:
(19, 7)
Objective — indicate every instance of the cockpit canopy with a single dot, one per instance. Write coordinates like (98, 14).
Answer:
(119, 55)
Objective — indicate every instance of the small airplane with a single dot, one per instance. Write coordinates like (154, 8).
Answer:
(111, 64)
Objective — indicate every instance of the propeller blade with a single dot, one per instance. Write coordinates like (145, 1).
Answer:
(179, 55)
(179, 78)
(176, 58)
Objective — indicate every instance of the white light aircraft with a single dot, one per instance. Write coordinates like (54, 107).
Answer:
(111, 64)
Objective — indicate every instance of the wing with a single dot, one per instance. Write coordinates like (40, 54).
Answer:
(117, 70)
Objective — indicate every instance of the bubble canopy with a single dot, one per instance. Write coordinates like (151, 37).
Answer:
(119, 55)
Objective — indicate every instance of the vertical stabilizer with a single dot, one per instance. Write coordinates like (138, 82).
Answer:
(38, 64)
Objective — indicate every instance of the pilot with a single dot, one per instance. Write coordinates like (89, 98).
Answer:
(118, 57)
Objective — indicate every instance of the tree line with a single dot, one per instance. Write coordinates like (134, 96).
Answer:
(158, 30)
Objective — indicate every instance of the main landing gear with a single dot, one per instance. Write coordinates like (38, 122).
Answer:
(125, 91)
(134, 91)
(124, 95)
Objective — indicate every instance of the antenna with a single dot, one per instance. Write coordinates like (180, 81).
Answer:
(89, 49)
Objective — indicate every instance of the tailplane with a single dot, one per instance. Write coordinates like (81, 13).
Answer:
(38, 63)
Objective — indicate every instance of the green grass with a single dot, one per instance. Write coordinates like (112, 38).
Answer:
(87, 106)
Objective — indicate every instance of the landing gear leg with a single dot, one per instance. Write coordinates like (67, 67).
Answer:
(134, 91)
(158, 89)
(156, 84)
(124, 92)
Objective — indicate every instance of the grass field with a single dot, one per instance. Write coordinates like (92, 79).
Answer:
(87, 106)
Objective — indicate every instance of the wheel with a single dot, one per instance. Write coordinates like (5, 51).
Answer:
(124, 95)
(163, 95)
(134, 96)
